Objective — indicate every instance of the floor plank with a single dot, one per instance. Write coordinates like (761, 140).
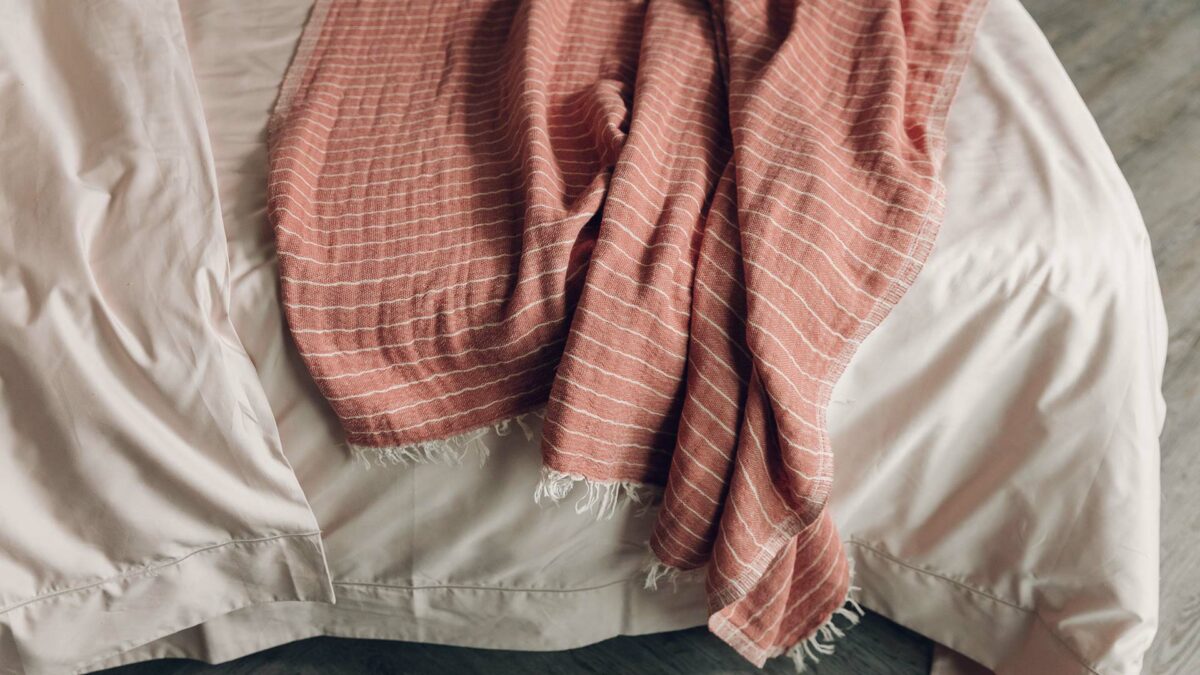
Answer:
(876, 647)
(1137, 64)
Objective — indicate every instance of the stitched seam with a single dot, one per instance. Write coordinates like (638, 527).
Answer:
(470, 587)
(150, 569)
(1049, 629)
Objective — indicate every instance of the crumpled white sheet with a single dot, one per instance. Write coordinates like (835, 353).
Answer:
(997, 470)
(142, 483)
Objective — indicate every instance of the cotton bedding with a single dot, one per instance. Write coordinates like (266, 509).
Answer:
(1016, 384)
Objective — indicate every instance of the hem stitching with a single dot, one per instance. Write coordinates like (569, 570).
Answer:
(980, 592)
(151, 569)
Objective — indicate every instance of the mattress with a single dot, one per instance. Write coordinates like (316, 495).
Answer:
(173, 484)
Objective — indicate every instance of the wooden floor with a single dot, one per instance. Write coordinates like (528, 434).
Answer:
(878, 648)
(1137, 65)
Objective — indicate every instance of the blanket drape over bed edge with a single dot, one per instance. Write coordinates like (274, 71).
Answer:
(667, 223)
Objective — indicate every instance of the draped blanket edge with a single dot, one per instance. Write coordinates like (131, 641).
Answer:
(652, 234)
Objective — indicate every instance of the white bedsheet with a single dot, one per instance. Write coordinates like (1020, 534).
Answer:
(997, 473)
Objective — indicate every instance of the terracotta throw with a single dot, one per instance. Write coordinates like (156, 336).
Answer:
(665, 225)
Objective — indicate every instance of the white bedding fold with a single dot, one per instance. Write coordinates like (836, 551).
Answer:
(142, 484)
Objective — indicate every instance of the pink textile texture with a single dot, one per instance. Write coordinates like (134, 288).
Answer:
(668, 223)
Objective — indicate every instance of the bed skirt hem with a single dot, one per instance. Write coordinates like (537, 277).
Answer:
(84, 628)
(999, 634)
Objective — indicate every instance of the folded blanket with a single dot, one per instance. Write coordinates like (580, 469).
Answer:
(664, 225)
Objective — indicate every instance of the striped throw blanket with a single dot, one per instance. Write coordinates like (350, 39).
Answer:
(664, 225)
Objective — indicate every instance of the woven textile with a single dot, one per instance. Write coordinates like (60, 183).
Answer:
(667, 225)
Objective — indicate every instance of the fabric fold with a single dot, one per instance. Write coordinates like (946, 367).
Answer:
(669, 223)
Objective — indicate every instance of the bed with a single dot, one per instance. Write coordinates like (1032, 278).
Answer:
(173, 485)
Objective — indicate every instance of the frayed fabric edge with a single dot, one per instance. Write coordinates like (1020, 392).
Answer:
(822, 640)
(601, 498)
(658, 572)
(807, 651)
(453, 450)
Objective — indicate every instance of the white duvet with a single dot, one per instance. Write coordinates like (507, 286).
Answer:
(172, 485)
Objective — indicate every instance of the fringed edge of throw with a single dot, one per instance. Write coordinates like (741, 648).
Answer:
(657, 571)
(452, 450)
(822, 641)
(601, 497)
(808, 649)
